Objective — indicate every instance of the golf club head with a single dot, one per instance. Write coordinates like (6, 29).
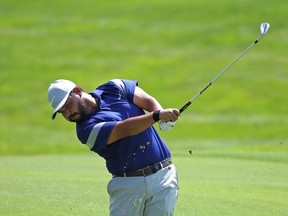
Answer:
(264, 27)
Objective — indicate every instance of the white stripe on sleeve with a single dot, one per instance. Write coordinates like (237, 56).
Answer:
(93, 135)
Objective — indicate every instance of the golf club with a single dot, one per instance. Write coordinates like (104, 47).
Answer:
(264, 27)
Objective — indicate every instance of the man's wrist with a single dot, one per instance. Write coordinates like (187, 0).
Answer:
(156, 115)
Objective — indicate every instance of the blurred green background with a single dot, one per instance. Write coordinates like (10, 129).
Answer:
(173, 48)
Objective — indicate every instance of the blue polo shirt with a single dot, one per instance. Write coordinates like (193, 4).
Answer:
(115, 101)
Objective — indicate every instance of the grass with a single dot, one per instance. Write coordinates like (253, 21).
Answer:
(76, 185)
(239, 187)
(236, 131)
(49, 185)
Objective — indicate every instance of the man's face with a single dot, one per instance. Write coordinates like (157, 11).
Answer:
(74, 110)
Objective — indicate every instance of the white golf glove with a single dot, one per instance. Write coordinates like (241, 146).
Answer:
(166, 126)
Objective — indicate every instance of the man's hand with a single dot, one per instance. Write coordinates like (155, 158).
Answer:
(168, 119)
(169, 115)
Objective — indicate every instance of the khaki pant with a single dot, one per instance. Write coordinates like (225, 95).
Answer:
(153, 195)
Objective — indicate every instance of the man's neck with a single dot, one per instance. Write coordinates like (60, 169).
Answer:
(90, 102)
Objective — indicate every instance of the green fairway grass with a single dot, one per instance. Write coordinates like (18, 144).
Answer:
(76, 185)
(230, 145)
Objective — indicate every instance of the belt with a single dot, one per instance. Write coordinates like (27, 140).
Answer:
(149, 170)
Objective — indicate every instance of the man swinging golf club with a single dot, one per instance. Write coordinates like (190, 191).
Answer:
(112, 122)
(116, 121)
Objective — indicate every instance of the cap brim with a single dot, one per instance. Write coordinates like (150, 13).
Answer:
(53, 115)
(59, 106)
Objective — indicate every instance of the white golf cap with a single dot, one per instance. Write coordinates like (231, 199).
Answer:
(58, 93)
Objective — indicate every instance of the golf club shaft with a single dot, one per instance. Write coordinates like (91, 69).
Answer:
(219, 74)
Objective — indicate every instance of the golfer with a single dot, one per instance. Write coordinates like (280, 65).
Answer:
(116, 121)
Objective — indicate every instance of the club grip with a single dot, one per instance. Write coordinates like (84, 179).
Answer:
(185, 106)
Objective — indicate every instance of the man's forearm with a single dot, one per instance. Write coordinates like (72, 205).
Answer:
(131, 127)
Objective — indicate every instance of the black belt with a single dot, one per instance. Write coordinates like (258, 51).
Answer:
(147, 170)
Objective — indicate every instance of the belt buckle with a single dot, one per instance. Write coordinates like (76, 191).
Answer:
(157, 167)
(161, 166)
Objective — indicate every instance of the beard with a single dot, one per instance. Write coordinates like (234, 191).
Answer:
(79, 116)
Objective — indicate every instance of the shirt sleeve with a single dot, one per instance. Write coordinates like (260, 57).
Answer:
(95, 136)
(126, 87)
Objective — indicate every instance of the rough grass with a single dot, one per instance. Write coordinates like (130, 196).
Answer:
(172, 48)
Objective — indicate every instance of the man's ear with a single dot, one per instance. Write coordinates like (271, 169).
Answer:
(77, 90)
